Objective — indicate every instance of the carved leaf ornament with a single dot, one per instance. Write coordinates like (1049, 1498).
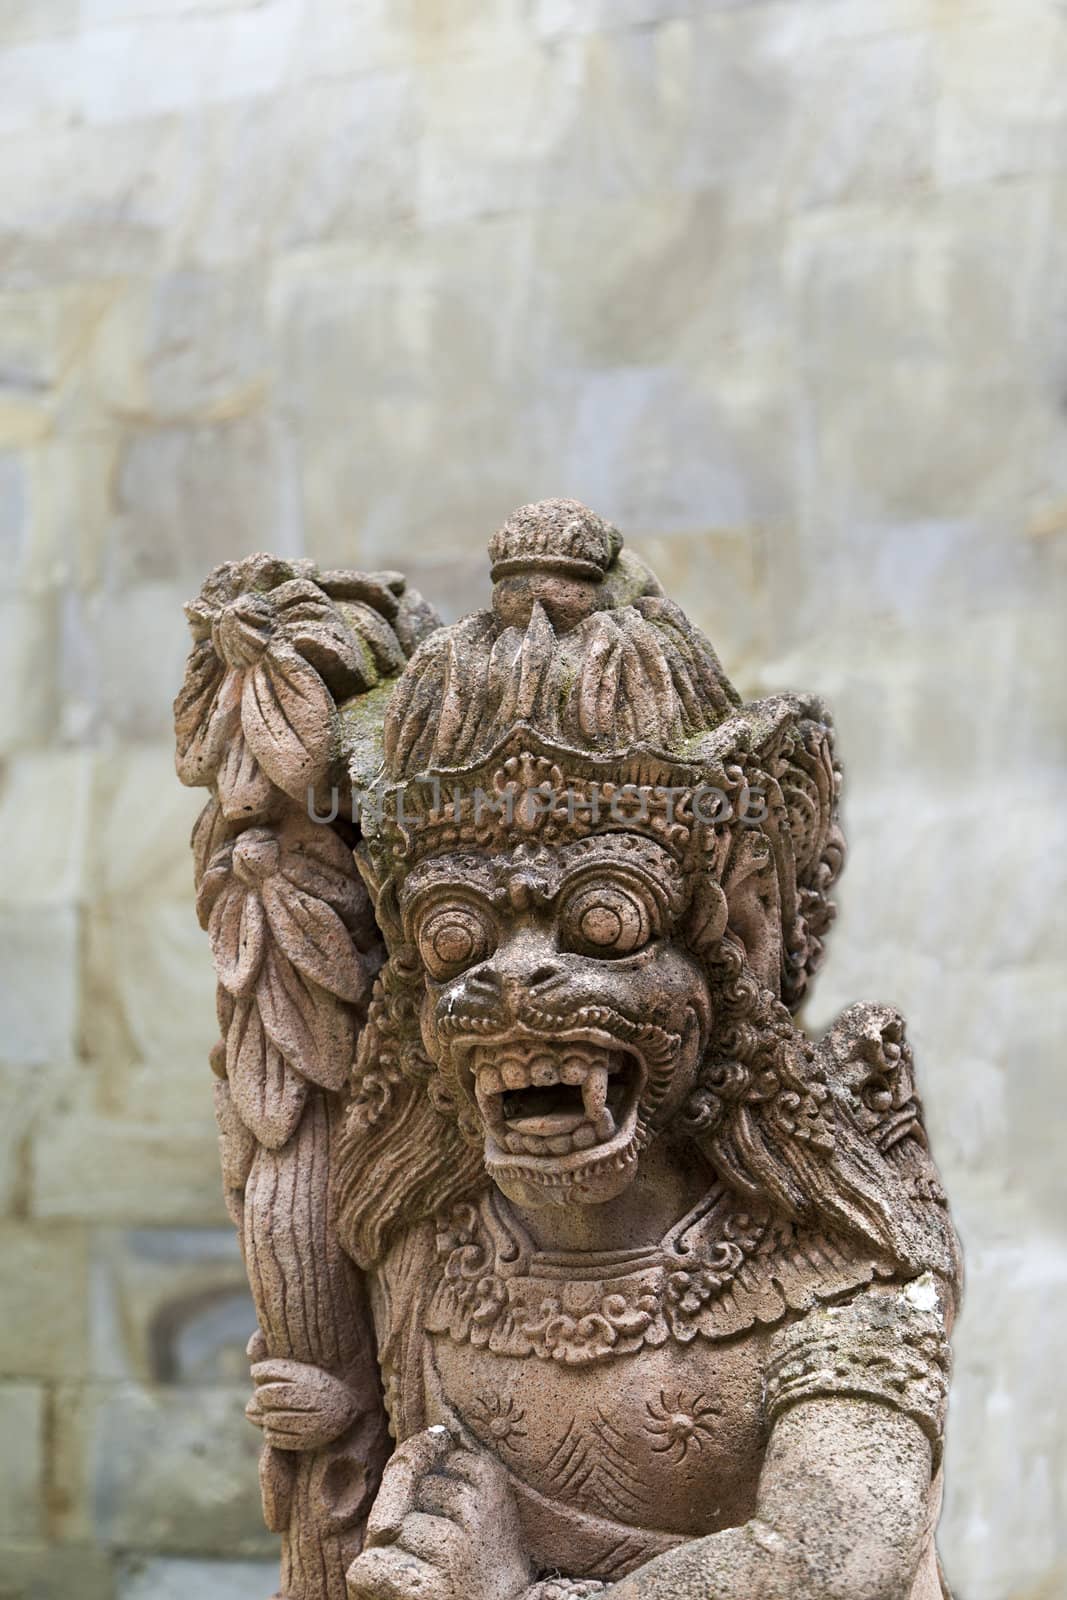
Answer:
(285, 918)
(273, 651)
(276, 646)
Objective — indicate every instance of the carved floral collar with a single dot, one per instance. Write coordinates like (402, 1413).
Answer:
(720, 1270)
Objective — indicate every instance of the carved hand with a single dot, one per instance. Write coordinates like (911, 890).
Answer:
(299, 1407)
(444, 1527)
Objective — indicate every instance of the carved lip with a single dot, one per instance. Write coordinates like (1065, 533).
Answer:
(558, 1099)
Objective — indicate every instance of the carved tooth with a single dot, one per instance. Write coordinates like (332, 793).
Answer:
(574, 1070)
(604, 1125)
(584, 1136)
(515, 1075)
(561, 1145)
(595, 1092)
(515, 1143)
(533, 1146)
(544, 1073)
(490, 1081)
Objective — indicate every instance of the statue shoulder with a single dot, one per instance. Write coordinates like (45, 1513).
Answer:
(869, 1067)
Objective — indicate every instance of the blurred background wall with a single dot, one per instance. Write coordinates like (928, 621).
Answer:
(778, 287)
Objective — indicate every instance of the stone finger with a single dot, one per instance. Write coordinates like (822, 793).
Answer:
(396, 1496)
(478, 1468)
(444, 1495)
(389, 1572)
(436, 1540)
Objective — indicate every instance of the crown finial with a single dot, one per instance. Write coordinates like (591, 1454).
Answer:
(556, 552)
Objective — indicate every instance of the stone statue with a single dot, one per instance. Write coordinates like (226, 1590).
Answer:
(579, 1268)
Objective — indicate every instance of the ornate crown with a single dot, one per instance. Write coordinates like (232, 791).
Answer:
(547, 719)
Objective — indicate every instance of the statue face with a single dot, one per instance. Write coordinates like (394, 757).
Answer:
(560, 1000)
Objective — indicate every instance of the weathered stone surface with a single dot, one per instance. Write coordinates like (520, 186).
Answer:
(54, 1572)
(111, 1169)
(14, 509)
(44, 817)
(150, 946)
(169, 1306)
(22, 1428)
(174, 484)
(44, 1328)
(27, 658)
(38, 1003)
(136, 851)
(139, 1445)
(208, 1580)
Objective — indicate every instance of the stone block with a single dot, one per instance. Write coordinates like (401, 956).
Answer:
(108, 1169)
(35, 19)
(141, 821)
(149, 984)
(14, 509)
(44, 819)
(720, 572)
(885, 303)
(353, 327)
(306, 168)
(177, 63)
(110, 13)
(182, 494)
(186, 345)
(28, 627)
(84, 204)
(170, 1306)
(44, 1328)
(175, 1469)
(123, 653)
(38, 84)
(1002, 94)
(554, 17)
(166, 1579)
(29, 1092)
(151, 1092)
(1001, 1416)
(38, 1002)
(54, 1572)
(693, 290)
(626, 426)
(72, 479)
(22, 1428)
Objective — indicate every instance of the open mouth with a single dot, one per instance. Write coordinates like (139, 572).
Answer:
(543, 1102)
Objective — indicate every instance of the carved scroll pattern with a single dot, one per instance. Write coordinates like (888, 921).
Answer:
(295, 946)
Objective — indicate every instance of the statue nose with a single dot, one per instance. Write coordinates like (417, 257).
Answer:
(523, 966)
(517, 983)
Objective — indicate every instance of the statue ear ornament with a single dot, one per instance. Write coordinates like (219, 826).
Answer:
(572, 1255)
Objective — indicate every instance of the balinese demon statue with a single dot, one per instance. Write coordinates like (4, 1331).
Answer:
(580, 1269)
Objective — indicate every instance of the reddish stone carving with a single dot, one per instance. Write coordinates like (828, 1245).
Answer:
(527, 1152)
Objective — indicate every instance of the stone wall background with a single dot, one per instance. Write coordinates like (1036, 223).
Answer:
(779, 287)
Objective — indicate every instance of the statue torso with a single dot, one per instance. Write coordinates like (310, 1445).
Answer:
(624, 1392)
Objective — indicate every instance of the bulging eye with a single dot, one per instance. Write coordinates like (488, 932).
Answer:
(606, 919)
(453, 938)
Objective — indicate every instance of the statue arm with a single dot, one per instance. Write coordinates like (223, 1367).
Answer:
(842, 1515)
(855, 1396)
